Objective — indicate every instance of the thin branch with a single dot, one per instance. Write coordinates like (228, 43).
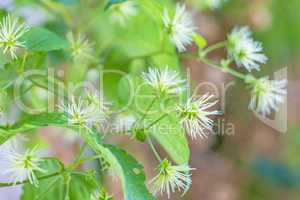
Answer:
(154, 150)
(27, 180)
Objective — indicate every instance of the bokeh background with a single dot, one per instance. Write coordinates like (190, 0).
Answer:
(257, 162)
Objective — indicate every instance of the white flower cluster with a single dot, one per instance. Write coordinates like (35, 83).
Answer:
(266, 95)
(20, 166)
(244, 50)
(11, 32)
(81, 49)
(171, 177)
(180, 27)
(164, 81)
(87, 112)
(195, 113)
(195, 116)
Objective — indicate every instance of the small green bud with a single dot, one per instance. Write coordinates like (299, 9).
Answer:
(140, 134)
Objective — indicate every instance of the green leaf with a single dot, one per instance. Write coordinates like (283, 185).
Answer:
(3, 60)
(40, 120)
(7, 76)
(81, 186)
(41, 39)
(168, 132)
(130, 171)
(200, 41)
(49, 188)
(170, 135)
(32, 122)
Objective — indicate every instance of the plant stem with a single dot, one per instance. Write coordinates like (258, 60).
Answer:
(46, 88)
(62, 170)
(78, 156)
(27, 181)
(146, 112)
(154, 150)
(224, 69)
(157, 120)
(83, 160)
(205, 60)
(213, 47)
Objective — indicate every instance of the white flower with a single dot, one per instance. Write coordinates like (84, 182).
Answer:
(249, 55)
(195, 116)
(82, 112)
(122, 12)
(81, 48)
(244, 50)
(21, 167)
(267, 95)
(180, 28)
(170, 178)
(10, 33)
(164, 81)
(237, 35)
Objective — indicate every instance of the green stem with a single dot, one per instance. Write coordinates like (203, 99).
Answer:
(67, 186)
(157, 120)
(22, 67)
(62, 170)
(83, 160)
(154, 150)
(78, 156)
(224, 69)
(213, 47)
(46, 88)
(205, 60)
(27, 181)
(146, 112)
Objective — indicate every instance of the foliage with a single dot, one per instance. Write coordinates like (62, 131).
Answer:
(114, 69)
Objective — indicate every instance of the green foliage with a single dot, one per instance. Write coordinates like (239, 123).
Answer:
(131, 173)
(79, 186)
(100, 76)
(128, 169)
(168, 132)
(41, 39)
(171, 136)
(7, 76)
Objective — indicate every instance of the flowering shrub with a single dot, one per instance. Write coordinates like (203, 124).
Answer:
(115, 71)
